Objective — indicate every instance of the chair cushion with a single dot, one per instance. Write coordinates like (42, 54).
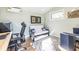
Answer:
(40, 37)
(40, 32)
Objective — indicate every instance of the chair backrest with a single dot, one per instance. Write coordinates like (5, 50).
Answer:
(76, 30)
(22, 29)
(36, 27)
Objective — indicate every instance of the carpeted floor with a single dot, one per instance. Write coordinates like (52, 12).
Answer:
(45, 44)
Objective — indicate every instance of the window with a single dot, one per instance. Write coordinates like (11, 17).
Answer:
(57, 15)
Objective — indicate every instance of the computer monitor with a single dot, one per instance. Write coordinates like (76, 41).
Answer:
(76, 30)
(4, 27)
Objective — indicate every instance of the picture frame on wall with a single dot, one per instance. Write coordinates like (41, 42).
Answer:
(35, 19)
(38, 19)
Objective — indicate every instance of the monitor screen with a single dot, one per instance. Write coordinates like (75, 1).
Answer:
(4, 27)
(76, 30)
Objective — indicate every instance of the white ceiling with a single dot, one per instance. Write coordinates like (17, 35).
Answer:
(40, 10)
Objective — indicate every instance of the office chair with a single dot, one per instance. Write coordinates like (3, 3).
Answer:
(19, 39)
(67, 41)
(37, 31)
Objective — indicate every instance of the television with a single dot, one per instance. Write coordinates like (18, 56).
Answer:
(4, 27)
(76, 30)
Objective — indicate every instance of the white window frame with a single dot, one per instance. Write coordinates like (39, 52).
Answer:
(57, 15)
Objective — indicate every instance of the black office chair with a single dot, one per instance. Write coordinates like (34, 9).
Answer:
(16, 42)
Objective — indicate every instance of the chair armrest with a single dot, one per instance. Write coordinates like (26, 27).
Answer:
(45, 29)
(16, 34)
(32, 31)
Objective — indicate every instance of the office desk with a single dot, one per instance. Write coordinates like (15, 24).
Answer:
(4, 42)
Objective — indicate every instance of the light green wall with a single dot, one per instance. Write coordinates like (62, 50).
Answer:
(17, 18)
(61, 25)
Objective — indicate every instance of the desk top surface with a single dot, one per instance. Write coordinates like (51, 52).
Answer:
(4, 42)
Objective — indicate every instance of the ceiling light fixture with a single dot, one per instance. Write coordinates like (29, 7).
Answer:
(14, 9)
